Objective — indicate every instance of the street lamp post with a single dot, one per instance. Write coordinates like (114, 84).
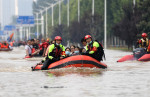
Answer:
(52, 14)
(93, 7)
(42, 26)
(59, 12)
(46, 23)
(79, 11)
(134, 2)
(37, 25)
(42, 23)
(105, 25)
(68, 13)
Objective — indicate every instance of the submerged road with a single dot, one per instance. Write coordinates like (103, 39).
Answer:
(127, 79)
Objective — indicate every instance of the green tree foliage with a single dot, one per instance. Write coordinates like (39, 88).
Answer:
(88, 24)
(144, 23)
(135, 21)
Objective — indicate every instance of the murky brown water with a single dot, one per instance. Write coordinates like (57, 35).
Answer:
(128, 79)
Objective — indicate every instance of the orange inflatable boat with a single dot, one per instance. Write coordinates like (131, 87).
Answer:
(74, 61)
(5, 49)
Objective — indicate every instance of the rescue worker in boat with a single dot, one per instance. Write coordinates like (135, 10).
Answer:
(56, 53)
(144, 42)
(5, 45)
(43, 47)
(93, 48)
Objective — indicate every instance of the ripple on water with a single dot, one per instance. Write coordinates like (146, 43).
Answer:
(127, 79)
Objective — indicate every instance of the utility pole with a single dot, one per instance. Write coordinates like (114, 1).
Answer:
(68, 13)
(134, 2)
(46, 23)
(59, 12)
(93, 7)
(16, 14)
(1, 2)
(42, 26)
(37, 25)
(79, 11)
(105, 25)
(52, 14)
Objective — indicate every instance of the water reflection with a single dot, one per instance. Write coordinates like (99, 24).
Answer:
(72, 70)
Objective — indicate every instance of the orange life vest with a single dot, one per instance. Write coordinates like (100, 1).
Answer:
(11, 43)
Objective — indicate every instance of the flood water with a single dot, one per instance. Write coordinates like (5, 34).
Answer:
(127, 79)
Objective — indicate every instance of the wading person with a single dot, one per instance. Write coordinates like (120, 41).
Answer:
(28, 48)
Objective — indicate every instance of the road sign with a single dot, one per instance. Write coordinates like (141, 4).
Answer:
(9, 28)
(1, 33)
(25, 20)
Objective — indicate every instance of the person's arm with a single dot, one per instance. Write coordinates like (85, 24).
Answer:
(94, 49)
(63, 54)
(45, 47)
(50, 51)
(44, 52)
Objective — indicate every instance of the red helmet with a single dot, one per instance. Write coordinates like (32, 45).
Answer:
(87, 36)
(144, 35)
(58, 38)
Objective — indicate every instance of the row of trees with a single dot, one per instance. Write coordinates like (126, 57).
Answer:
(135, 21)
(124, 20)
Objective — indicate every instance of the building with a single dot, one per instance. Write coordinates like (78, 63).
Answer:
(8, 10)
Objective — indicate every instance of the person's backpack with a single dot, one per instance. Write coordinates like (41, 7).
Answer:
(101, 49)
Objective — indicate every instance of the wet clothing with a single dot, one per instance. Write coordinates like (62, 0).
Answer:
(95, 50)
(54, 54)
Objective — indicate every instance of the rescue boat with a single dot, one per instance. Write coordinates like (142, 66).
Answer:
(74, 61)
(139, 54)
(145, 57)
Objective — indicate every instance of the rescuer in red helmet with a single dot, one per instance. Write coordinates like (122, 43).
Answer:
(94, 48)
(56, 52)
(144, 42)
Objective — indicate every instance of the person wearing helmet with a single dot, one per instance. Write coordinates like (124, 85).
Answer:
(55, 53)
(5, 45)
(93, 48)
(43, 47)
(144, 42)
